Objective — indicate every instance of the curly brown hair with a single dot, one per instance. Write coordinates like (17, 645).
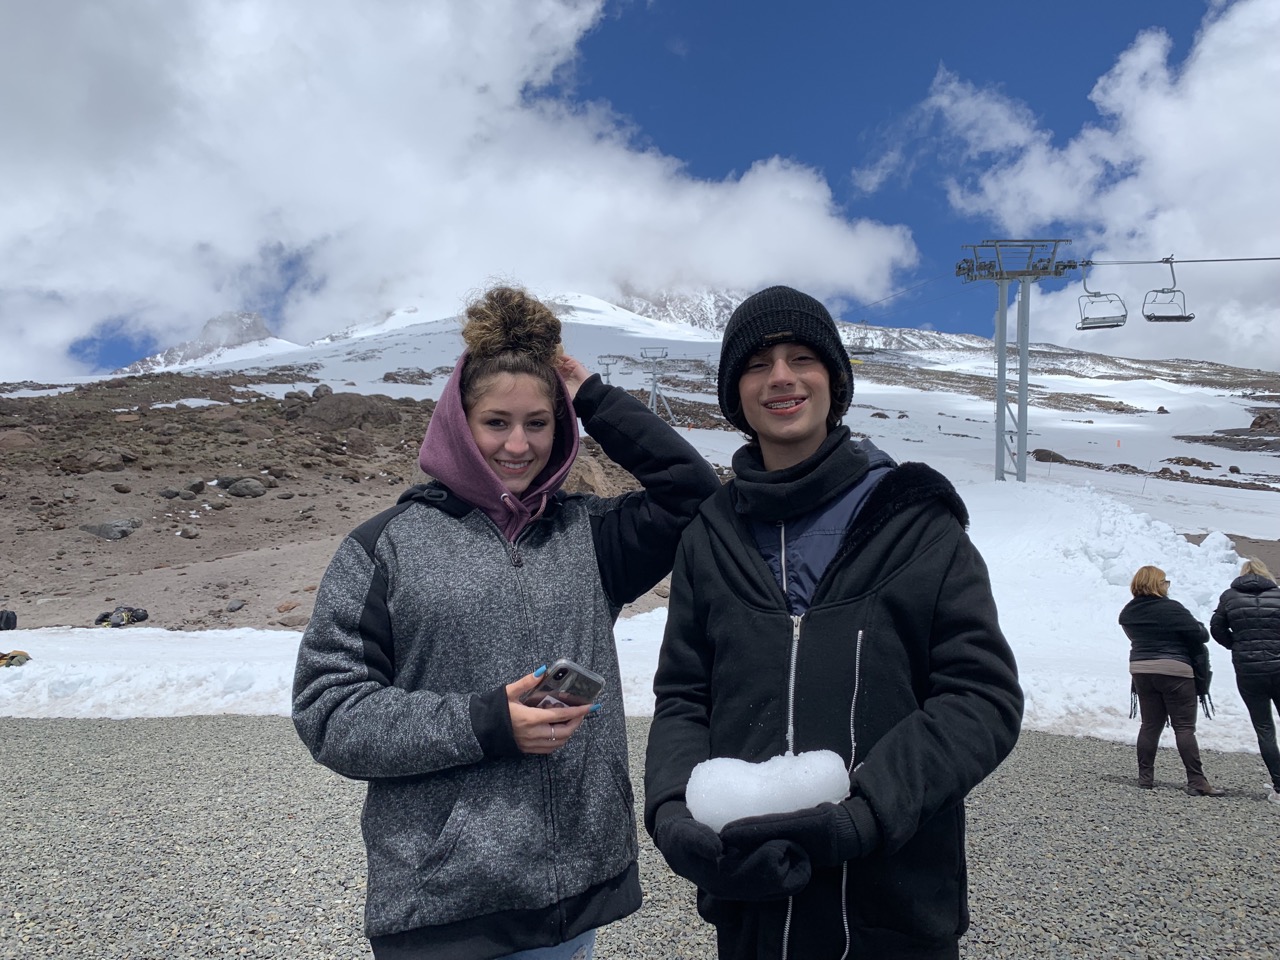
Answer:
(508, 330)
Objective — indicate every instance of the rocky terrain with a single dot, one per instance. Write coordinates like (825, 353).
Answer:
(211, 501)
(157, 491)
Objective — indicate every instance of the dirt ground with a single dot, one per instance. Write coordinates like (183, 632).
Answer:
(197, 557)
(156, 455)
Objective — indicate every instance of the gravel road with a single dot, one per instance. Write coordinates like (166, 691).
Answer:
(218, 837)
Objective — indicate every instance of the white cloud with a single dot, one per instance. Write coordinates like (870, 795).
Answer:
(173, 160)
(1179, 162)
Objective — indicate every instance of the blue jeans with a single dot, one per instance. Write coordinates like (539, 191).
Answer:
(579, 948)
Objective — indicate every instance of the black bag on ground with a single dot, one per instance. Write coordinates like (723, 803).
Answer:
(8, 620)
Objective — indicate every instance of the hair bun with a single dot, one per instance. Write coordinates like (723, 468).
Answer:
(510, 320)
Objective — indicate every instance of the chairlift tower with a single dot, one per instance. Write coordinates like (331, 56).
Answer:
(655, 355)
(1004, 261)
(607, 361)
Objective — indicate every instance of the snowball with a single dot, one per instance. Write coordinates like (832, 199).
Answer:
(723, 789)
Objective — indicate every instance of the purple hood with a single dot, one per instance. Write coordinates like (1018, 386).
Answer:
(449, 454)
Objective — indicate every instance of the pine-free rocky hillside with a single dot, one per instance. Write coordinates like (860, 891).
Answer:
(209, 503)
(198, 498)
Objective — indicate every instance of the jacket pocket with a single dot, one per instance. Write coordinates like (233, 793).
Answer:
(447, 848)
(921, 889)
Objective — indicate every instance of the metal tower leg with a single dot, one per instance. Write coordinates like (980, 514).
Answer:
(1001, 340)
(1024, 363)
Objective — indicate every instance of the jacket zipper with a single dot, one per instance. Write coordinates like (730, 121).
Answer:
(791, 696)
(796, 623)
(853, 756)
(517, 561)
(853, 703)
(795, 640)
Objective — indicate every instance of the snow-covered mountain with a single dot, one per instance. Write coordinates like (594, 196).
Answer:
(861, 337)
(226, 337)
(689, 327)
(706, 310)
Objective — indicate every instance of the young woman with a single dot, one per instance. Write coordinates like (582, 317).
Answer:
(494, 828)
(1247, 622)
(1164, 639)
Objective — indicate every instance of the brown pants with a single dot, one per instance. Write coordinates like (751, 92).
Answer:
(1162, 698)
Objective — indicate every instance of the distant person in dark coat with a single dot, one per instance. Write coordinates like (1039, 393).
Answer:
(1164, 640)
(1247, 622)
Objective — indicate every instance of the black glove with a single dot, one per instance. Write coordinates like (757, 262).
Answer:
(828, 833)
(772, 871)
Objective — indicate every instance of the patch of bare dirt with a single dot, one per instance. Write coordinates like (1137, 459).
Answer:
(156, 459)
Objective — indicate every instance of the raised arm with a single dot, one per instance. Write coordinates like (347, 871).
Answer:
(636, 534)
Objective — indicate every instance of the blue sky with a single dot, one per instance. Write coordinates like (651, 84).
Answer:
(724, 83)
(327, 161)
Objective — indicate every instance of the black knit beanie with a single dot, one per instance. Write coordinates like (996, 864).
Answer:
(781, 315)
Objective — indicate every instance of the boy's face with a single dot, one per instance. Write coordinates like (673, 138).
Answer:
(786, 395)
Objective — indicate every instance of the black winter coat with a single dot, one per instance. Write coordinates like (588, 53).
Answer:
(900, 666)
(1247, 622)
(1162, 629)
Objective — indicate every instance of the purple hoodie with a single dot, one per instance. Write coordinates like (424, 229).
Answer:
(450, 455)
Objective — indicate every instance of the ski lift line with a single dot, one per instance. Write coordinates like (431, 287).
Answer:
(1118, 263)
(915, 286)
(916, 306)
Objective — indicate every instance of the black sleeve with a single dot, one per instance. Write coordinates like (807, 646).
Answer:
(1186, 627)
(680, 733)
(969, 719)
(1220, 625)
(636, 534)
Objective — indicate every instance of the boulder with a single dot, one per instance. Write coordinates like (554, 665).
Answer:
(112, 529)
(342, 411)
(247, 487)
(1040, 455)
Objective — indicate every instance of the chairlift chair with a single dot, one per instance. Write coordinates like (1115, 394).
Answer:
(1166, 304)
(1099, 311)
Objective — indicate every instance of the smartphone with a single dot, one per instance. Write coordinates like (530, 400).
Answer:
(565, 684)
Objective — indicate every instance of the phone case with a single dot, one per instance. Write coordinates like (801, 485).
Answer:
(565, 684)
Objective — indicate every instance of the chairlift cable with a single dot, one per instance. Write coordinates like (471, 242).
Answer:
(1114, 263)
(916, 306)
(914, 286)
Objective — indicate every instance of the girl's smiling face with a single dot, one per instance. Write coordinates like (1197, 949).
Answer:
(513, 423)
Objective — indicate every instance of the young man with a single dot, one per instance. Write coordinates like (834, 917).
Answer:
(827, 599)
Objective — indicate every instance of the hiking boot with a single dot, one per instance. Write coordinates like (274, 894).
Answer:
(1146, 785)
(1205, 790)
(1273, 796)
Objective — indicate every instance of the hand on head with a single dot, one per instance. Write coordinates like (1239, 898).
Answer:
(540, 730)
(574, 373)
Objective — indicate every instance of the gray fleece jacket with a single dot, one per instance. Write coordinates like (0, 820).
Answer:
(426, 612)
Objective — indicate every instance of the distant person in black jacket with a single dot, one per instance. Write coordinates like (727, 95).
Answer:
(827, 599)
(1164, 640)
(1247, 622)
